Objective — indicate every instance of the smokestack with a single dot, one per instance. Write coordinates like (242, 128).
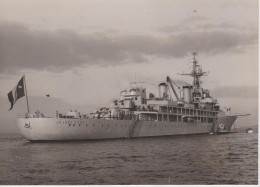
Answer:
(187, 94)
(162, 89)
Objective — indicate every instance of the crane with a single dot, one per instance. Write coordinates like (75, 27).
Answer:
(168, 79)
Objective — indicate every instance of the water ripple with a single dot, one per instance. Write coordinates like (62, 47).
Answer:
(200, 159)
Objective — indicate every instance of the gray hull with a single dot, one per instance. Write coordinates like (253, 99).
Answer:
(46, 129)
(225, 123)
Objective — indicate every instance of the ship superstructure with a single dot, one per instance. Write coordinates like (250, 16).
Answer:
(136, 114)
(196, 105)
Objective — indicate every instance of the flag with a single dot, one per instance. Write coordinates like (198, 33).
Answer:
(17, 92)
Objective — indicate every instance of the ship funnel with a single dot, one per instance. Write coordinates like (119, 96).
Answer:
(187, 94)
(162, 89)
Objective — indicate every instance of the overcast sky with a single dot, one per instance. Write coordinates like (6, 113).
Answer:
(84, 52)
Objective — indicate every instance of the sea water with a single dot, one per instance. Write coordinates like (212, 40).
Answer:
(193, 159)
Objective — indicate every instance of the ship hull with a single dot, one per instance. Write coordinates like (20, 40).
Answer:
(225, 123)
(57, 129)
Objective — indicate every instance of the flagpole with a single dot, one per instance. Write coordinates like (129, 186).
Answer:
(26, 95)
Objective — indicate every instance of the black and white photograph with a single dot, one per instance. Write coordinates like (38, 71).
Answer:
(129, 92)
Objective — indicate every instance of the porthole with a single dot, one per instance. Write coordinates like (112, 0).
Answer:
(73, 124)
(93, 125)
(69, 124)
(86, 125)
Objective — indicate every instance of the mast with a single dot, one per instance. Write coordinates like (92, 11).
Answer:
(196, 73)
(195, 78)
(27, 102)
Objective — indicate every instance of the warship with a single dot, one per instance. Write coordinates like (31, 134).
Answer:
(133, 114)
